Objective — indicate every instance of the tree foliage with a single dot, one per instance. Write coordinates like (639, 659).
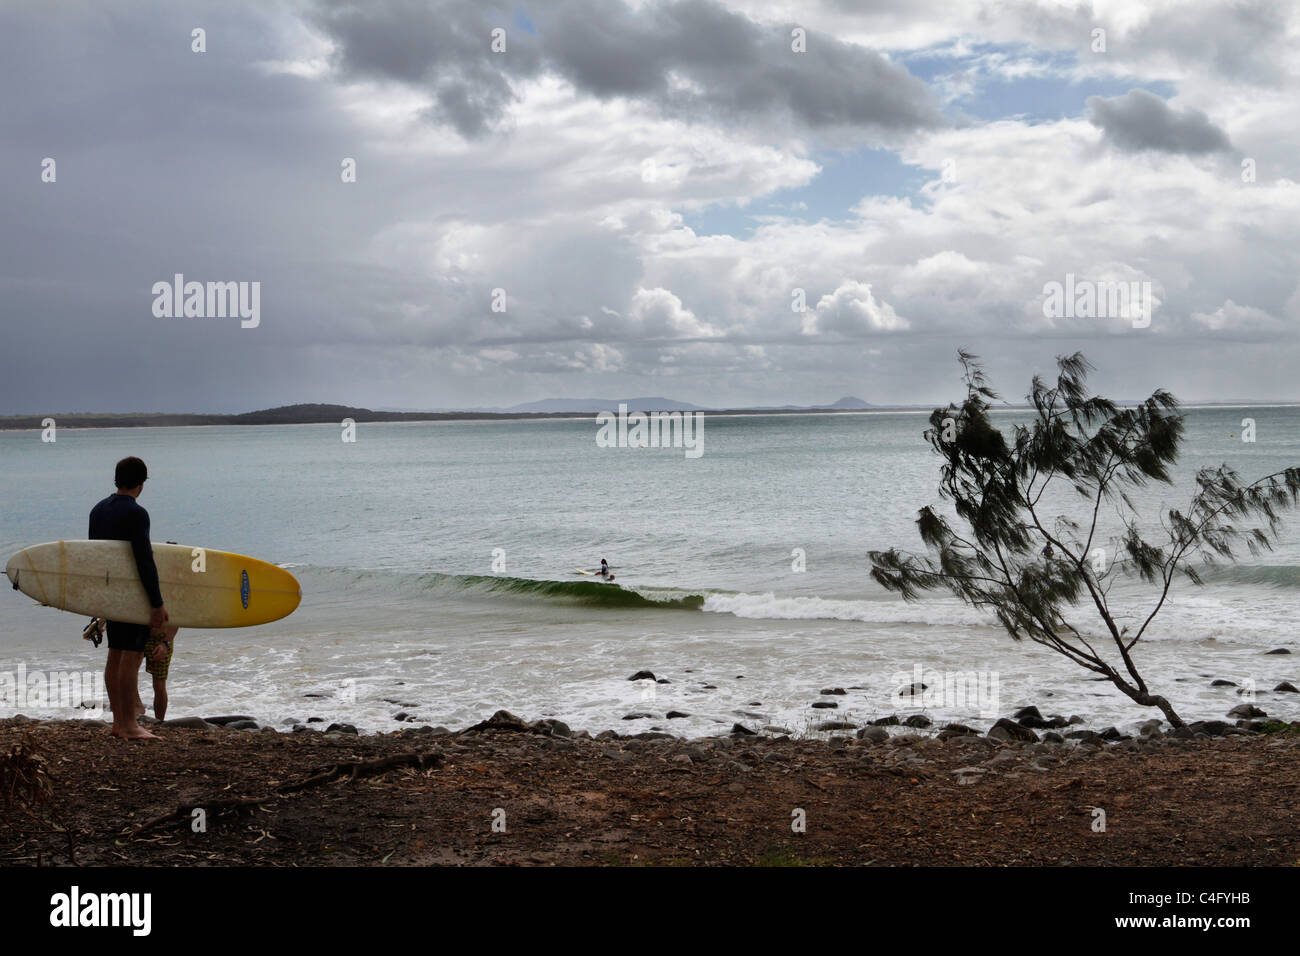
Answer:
(1040, 575)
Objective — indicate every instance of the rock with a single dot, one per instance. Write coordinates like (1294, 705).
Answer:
(911, 690)
(242, 725)
(198, 723)
(1211, 728)
(315, 720)
(1253, 726)
(1279, 650)
(950, 731)
(1006, 729)
(740, 730)
(890, 721)
(675, 714)
(290, 722)
(1222, 683)
(709, 687)
(501, 720)
(825, 704)
(223, 721)
(875, 735)
(642, 675)
(1002, 757)
(918, 720)
(1150, 728)
(553, 727)
(340, 728)
(1053, 737)
(835, 725)
(1111, 733)
(837, 691)
(1024, 712)
(315, 695)
(1074, 719)
(1246, 710)
(653, 735)
(607, 735)
(1286, 687)
(639, 715)
(1182, 733)
(404, 717)
(662, 680)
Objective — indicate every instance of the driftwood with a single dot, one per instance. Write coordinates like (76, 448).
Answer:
(352, 770)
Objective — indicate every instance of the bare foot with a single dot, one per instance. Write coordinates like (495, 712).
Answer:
(133, 733)
(141, 734)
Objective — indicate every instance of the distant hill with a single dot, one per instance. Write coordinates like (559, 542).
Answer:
(317, 413)
(552, 405)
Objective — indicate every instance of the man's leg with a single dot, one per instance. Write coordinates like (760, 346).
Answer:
(160, 698)
(110, 684)
(128, 689)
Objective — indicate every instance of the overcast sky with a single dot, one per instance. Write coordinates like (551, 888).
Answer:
(650, 184)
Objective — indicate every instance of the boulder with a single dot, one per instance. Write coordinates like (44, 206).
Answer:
(1006, 729)
(197, 723)
(835, 725)
(223, 721)
(642, 675)
(1246, 711)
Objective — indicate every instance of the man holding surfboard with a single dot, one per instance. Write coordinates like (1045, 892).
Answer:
(120, 518)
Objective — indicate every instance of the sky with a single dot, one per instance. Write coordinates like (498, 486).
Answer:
(724, 202)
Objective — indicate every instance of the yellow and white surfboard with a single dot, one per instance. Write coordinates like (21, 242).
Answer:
(201, 588)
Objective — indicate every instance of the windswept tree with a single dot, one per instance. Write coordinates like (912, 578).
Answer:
(1042, 575)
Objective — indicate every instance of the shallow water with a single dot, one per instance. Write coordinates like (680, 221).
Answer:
(394, 537)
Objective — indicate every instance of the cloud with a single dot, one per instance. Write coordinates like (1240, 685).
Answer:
(693, 59)
(1140, 120)
(852, 311)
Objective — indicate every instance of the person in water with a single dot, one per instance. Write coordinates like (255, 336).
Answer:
(119, 518)
(604, 568)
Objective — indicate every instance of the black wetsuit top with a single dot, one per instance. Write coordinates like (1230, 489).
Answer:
(119, 518)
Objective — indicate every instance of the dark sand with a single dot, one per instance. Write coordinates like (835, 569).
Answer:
(310, 799)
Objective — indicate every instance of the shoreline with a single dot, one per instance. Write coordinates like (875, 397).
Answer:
(509, 791)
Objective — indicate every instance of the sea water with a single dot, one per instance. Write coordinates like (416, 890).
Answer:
(437, 562)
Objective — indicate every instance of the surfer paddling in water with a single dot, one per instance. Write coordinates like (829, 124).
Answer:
(120, 518)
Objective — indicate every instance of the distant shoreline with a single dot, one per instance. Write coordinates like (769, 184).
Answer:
(334, 414)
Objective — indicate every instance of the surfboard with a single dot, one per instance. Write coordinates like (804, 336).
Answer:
(201, 588)
(585, 571)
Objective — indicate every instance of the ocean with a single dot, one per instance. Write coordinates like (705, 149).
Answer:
(437, 562)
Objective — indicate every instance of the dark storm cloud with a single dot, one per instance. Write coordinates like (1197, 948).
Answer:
(1140, 120)
(690, 58)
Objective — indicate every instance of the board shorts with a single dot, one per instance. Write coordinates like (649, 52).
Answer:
(157, 669)
(127, 637)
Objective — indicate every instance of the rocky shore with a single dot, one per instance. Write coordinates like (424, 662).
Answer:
(1029, 790)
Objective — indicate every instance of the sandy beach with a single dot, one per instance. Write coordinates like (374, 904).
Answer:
(508, 791)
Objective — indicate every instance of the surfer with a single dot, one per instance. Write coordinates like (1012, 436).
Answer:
(120, 518)
(604, 568)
